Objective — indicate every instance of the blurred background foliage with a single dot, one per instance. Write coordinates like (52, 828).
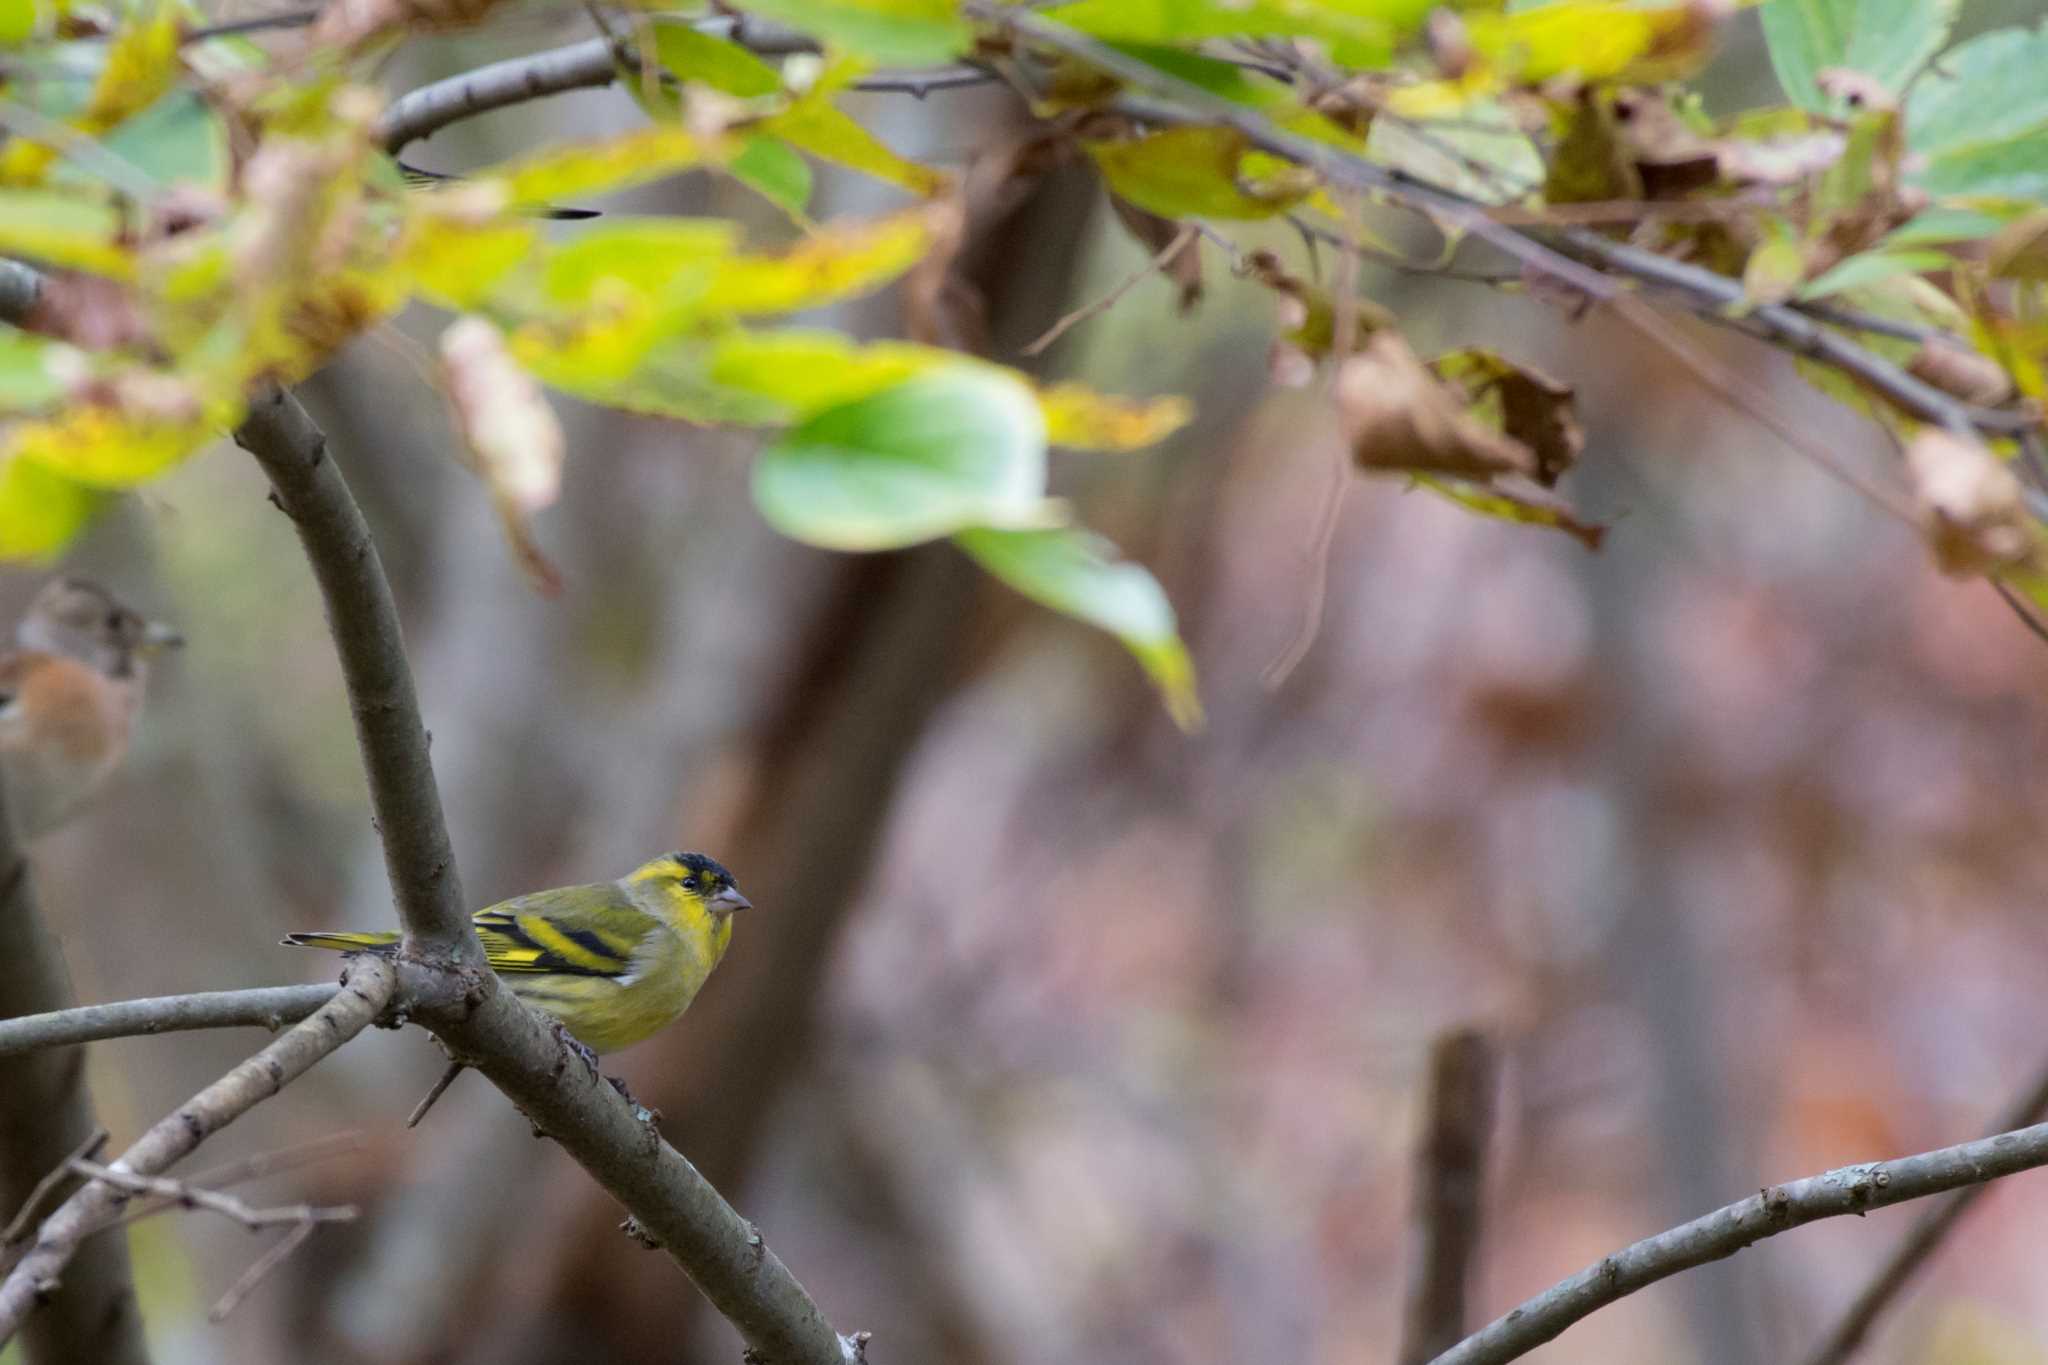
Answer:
(1059, 1035)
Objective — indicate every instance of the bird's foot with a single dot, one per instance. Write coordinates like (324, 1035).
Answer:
(578, 1048)
(640, 1111)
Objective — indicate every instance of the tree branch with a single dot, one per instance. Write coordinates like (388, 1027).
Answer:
(450, 990)
(270, 1007)
(1709, 294)
(45, 1117)
(360, 1000)
(1449, 1178)
(1832, 1194)
(405, 803)
(1914, 1249)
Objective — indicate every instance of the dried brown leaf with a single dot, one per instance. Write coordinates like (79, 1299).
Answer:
(1970, 375)
(1396, 414)
(512, 437)
(1972, 508)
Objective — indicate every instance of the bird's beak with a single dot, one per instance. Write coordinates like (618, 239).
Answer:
(729, 900)
(158, 637)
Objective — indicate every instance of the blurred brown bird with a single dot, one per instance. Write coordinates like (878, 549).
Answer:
(69, 694)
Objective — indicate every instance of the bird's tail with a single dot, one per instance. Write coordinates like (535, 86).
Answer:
(346, 943)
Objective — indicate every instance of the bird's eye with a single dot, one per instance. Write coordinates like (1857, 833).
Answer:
(691, 884)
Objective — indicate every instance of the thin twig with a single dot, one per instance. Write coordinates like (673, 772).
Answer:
(259, 1270)
(270, 1007)
(186, 1195)
(1927, 1233)
(369, 988)
(1450, 1163)
(1124, 286)
(2023, 610)
(1778, 1208)
(25, 1217)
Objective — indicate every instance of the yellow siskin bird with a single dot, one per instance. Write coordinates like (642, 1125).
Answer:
(612, 962)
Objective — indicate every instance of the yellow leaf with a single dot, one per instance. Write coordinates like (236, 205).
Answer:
(838, 262)
(40, 510)
(457, 264)
(1595, 40)
(821, 128)
(1081, 419)
(110, 446)
(636, 158)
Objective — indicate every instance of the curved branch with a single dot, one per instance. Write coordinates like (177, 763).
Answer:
(270, 1007)
(359, 1001)
(427, 110)
(1919, 1244)
(1831, 1194)
(404, 800)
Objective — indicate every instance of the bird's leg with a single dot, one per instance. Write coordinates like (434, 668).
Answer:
(447, 1078)
(578, 1047)
(640, 1111)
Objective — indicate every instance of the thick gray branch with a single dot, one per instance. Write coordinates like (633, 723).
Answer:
(1851, 1189)
(360, 1000)
(403, 798)
(270, 1007)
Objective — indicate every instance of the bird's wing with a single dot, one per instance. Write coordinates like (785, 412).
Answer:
(570, 931)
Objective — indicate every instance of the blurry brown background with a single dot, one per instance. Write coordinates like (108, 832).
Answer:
(1057, 1036)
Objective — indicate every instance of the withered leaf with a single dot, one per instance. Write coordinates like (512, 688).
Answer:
(1396, 414)
(1534, 409)
(1972, 509)
(1970, 375)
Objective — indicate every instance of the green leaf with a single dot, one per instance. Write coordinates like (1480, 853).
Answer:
(826, 131)
(180, 138)
(17, 21)
(28, 378)
(890, 32)
(1889, 40)
(959, 448)
(1077, 573)
(1197, 171)
(1872, 266)
(1980, 119)
(773, 169)
(1480, 152)
(692, 55)
(63, 229)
